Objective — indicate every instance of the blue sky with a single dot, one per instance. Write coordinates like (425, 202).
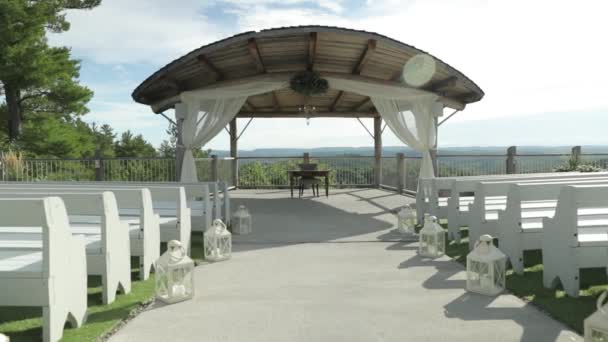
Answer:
(541, 63)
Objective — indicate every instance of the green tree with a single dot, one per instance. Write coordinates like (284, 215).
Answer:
(168, 146)
(56, 137)
(131, 146)
(36, 78)
(104, 139)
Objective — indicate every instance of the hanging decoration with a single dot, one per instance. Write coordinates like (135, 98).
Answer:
(308, 83)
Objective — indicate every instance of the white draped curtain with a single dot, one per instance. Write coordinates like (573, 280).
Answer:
(409, 113)
(206, 112)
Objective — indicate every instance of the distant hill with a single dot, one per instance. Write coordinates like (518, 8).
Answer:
(392, 150)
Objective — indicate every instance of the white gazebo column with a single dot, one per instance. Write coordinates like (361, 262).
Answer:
(377, 151)
(180, 115)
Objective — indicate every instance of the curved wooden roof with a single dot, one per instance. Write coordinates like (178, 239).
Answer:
(362, 55)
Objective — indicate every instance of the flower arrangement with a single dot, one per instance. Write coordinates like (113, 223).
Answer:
(308, 83)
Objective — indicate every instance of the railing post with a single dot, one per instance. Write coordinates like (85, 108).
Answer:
(234, 152)
(400, 172)
(433, 153)
(377, 151)
(306, 158)
(98, 166)
(214, 168)
(576, 153)
(511, 164)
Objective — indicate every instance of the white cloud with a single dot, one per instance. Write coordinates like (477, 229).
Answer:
(132, 31)
(530, 57)
(124, 116)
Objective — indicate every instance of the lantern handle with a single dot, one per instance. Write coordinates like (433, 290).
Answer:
(174, 244)
(600, 303)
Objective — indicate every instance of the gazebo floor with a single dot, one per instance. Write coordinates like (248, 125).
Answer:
(333, 269)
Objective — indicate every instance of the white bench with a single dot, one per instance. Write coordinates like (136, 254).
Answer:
(491, 198)
(576, 237)
(464, 193)
(520, 225)
(169, 203)
(199, 196)
(53, 277)
(136, 202)
(433, 193)
(107, 242)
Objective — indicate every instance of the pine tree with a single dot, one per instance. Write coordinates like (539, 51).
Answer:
(34, 77)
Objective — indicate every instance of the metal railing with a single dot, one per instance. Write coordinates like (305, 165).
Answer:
(397, 172)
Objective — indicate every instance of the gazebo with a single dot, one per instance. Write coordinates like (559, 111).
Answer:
(307, 72)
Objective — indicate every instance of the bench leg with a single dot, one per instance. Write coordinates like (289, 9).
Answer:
(561, 264)
(53, 321)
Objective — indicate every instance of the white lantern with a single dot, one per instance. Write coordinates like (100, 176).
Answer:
(596, 325)
(486, 268)
(218, 242)
(406, 220)
(241, 221)
(174, 278)
(432, 238)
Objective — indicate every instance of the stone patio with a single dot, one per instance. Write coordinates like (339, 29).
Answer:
(334, 269)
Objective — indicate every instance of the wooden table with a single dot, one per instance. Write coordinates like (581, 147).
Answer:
(293, 174)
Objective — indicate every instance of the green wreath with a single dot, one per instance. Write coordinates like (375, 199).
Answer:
(308, 83)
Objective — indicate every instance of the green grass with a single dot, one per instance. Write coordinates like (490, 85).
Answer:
(529, 286)
(25, 324)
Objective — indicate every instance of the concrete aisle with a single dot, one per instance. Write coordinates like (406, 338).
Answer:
(350, 281)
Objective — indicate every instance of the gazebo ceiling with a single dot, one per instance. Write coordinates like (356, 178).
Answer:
(360, 55)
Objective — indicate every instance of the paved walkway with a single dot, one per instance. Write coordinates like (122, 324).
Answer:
(333, 269)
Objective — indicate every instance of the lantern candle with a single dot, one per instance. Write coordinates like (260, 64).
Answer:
(486, 268)
(406, 220)
(173, 278)
(596, 325)
(217, 242)
(241, 221)
(432, 238)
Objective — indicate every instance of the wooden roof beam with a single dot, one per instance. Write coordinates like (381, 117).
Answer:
(219, 75)
(173, 84)
(370, 49)
(360, 104)
(250, 106)
(275, 101)
(312, 50)
(299, 114)
(254, 52)
(443, 84)
(334, 104)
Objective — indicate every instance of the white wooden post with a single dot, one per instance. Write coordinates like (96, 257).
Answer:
(181, 111)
